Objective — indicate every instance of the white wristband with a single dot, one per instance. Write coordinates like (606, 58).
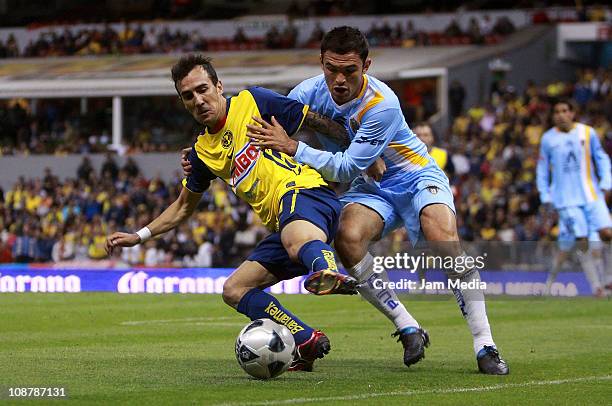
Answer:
(144, 234)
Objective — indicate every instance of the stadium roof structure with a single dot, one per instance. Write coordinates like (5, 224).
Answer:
(149, 75)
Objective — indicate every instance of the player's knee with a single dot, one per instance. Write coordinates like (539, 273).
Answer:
(232, 293)
(582, 244)
(438, 223)
(293, 250)
(606, 234)
(348, 239)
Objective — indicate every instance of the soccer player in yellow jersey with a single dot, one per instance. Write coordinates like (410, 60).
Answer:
(292, 199)
(425, 134)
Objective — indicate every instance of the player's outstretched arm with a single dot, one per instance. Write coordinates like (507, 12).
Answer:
(174, 215)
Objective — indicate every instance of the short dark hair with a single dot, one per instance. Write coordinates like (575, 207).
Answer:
(187, 63)
(565, 100)
(344, 40)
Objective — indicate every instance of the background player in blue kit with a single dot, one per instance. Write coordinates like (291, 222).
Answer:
(573, 175)
(414, 191)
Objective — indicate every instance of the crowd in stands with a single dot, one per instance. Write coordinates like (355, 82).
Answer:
(492, 154)
(133, 38)
(44, 220)
(52, 126)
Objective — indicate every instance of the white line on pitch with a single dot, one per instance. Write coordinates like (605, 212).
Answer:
(422, 392)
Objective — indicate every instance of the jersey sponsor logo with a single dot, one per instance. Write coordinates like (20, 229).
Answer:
(369, 140)
(228, 137)
(244, 163)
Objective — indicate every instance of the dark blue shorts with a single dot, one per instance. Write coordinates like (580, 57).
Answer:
(318, 206)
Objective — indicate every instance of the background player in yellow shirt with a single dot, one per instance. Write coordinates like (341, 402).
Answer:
(292, 199)
(425, 134)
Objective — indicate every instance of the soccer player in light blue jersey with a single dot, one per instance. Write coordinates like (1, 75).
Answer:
(413, 191)
(573, 175)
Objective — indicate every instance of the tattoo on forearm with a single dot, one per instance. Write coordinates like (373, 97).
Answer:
(326, 126)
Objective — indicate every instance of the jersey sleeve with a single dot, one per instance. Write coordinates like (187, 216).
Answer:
(200, 177)
(376, 131)
(288, 112)
(601, 161)
(543, 173)
(299, 93)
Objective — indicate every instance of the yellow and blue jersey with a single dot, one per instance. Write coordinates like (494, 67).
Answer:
(573, 169)
(259, 177)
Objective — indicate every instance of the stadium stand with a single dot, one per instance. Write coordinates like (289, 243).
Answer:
(492, 149)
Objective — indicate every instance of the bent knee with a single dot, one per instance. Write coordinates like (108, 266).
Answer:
(232, 293)
(350, 237)
(293, 250)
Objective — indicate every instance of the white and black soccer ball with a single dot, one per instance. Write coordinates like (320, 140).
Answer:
(265, 349)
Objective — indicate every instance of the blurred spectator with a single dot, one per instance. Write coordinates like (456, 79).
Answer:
(240, 37)
(456, 97)
(454, 30)
(109, 167)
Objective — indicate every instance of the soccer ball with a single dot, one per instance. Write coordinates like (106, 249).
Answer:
(265, 349)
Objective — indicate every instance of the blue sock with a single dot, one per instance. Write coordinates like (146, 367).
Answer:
(316, 256)
(257, 304)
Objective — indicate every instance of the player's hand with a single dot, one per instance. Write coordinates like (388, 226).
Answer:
(547, 208)
(185, 162)
(377, 169)
(271, 135)
(120, 240)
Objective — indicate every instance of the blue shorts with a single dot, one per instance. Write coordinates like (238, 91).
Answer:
(318, 206)
(582, 222)
(400, 203)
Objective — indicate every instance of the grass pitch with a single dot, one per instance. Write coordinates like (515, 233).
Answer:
(168, 349)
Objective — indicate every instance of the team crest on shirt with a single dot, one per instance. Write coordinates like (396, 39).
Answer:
(227, 139)
(354, 125)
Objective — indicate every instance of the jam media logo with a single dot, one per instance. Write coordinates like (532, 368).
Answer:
(38, 283)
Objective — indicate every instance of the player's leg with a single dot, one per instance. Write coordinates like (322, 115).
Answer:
(271, 256)
(243, 290)
(359, 225)
(577, 220)
(566, 242)
(560, 258)
(365, 218)
(599, 220)
(436, 220)
(308, 220)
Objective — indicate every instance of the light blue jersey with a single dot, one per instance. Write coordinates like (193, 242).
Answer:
(377, 128)
(572, 174)
(573, 169)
